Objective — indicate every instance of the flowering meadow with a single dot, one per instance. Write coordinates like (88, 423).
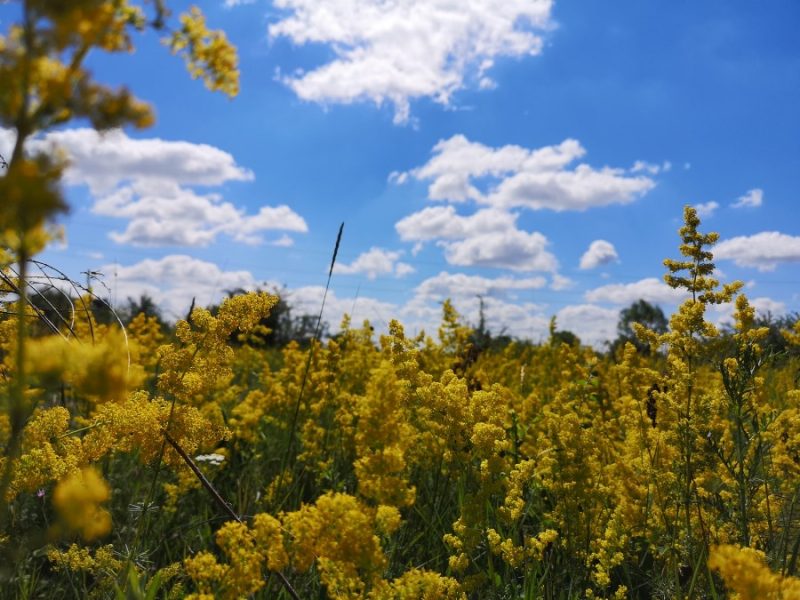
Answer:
(143, 461)
(203, 464)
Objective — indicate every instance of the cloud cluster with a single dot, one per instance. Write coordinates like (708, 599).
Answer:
(153, 184)
(649, 289)
(486, 238)
(442, 222)
(501, 180)
(512, 176)
(375, 262)
(174, 280)
(600, 252)
(396, 52)
(764, 250)
(460, 285)
(165, 214)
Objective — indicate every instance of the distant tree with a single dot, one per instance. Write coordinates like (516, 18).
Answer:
(144, 305)
(54, 308)
(644, 313)
(562, 337)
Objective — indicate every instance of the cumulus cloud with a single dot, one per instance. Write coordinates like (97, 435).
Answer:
(594, 325)
(751, 199)
(172, 281)
(487, 238)
(152, 183)
(308, 299)
(103, 161)
(512, 176)
(706, 209)
(503, 310)
(395, 52)
(649, 289)
(514, 249)
(163, 213)
(764, 250)
(600, 252)
(375, 262)
(460, 285)
(442, 222)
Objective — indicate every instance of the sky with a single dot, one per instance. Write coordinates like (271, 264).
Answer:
(536, 154)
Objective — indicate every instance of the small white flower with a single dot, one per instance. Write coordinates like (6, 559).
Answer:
(213, 459)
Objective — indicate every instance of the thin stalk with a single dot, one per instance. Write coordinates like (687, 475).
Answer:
(293, 427)
(221, 502)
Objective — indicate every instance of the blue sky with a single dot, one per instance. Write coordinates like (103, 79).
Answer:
(535, 153)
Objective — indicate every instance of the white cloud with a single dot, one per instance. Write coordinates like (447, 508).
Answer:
(460, 285)
(706, 209)
(308, 299)
(592, 324)
(487, 238)
(514, 249)
(503, 309)
(442, 222)
(751, 199)
(375, 262)
(232, 3)
(518, 177)
(150, 182)
(641, 166)
(172, 281)
(284, 241)
(162, 213)
(396, 52)
(560, 282)
(649, 289)
(105, 160)
(600, 252)
(763, 251)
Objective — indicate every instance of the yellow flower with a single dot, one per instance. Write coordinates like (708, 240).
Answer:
(77, 499)
(746, 574)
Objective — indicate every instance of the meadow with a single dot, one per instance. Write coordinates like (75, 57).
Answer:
(202, 462)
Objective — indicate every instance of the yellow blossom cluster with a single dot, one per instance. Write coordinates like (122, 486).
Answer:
(78, 497)
(398, 467)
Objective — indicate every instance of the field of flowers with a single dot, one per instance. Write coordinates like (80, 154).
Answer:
(198, 462)
(205, 465)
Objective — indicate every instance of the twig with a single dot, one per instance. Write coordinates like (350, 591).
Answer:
(221, 502)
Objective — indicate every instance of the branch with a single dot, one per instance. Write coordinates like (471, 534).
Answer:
(221, 501)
